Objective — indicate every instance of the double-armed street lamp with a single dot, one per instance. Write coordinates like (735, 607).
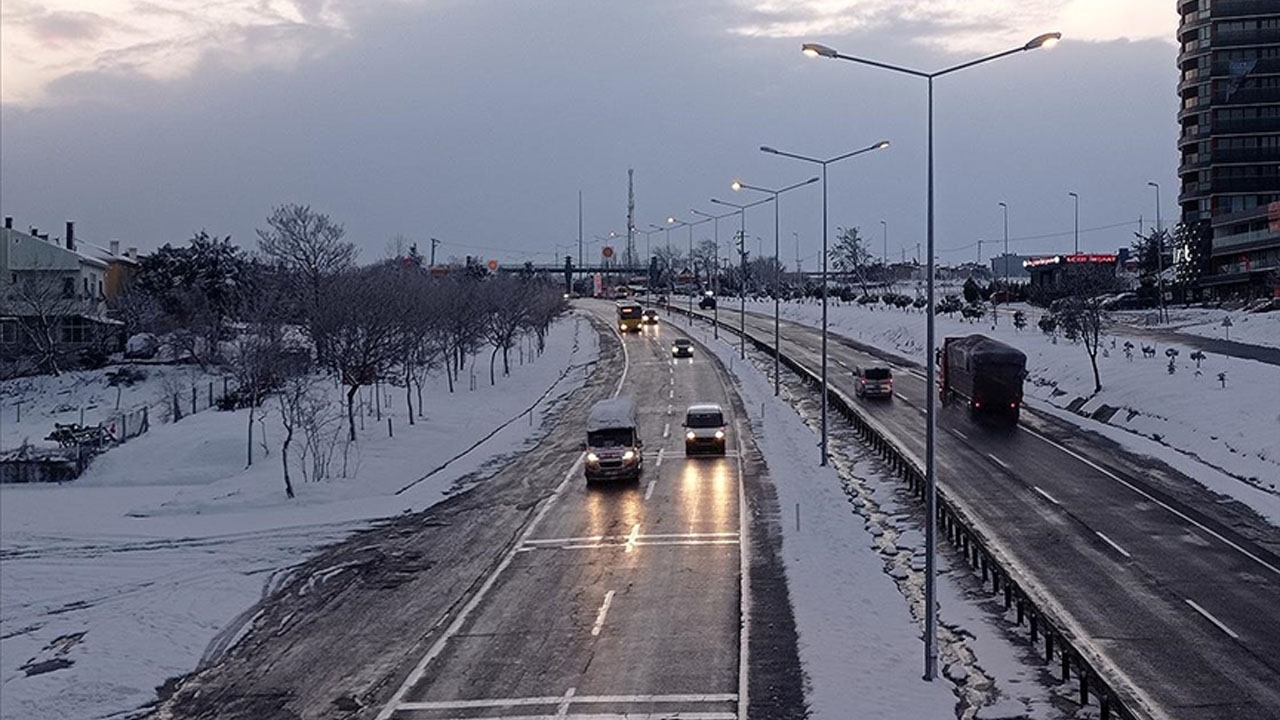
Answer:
(1076, 198)
(1005, 208)
(815, 50)
(742, 256)
(824, 163)
(738, 185)
(1159, 251)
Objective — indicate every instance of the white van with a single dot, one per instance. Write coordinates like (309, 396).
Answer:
(704, 429)
(614, 449)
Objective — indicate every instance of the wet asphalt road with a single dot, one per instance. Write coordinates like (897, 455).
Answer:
(623, 598)
(1175, 587)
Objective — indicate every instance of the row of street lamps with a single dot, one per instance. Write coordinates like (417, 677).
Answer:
(815, 50)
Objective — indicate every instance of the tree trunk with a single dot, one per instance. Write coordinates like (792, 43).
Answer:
(284, 458)
(506, 363)
(408, 392)
(351, 413)
(1097, 380)
(418, 385)
(449, 375)
(493, 357)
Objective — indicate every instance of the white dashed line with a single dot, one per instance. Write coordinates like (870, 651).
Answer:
(1046, 495)
(661, 453)
(1212, 619)
(632, 537)
(1001, 463)
(648, 493)
(604, 610)
(563, 710)
(1113, 544)
(671, 393)
(666, 430)
(959, 434)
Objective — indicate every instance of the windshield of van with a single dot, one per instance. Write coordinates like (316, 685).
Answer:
(877, 374)
(704, 420)
(613, 437)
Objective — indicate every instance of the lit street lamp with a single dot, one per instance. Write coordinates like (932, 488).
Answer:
(1005, 207)
(931, 498)
(742, 255)
(777, 302)
(824, 163)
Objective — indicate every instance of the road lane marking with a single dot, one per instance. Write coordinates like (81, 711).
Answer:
(661, 453)
(648, 493)
(959, 434)
(415, 676)
(604, 610)
(1046, 495)
(666, 430)
(632, 537)
(1000, 462)
(668, 409)
(693, 698)
(619, 539)
(1155, 500)
(1113, 544)
(671, 393)
(1212, 619)
(563, 710)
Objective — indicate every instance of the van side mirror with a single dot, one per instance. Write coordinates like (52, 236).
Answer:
(582, 445)
(639, 443)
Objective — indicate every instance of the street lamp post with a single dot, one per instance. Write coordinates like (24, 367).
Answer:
(1076, 197)
(1005, 207)
(931, 498)
(824, 163)
(690, 259)
(1159, 252)
(715, 269)
(884, 227)
(777, 301)
(742, 255)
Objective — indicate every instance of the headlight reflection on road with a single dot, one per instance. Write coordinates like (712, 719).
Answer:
(613, 509)
(707, 490)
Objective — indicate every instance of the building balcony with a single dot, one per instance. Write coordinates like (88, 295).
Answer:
(1193, 133)
(1241, 38)
(1234, 185)
(1249, 126)
(1194, 161)
(1244, 96)
(1242, 8)
(1261, 66)
(1223, 156)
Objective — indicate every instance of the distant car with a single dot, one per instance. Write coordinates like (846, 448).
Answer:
(704, 429)
(682, 348)
(649, 317)
(873, 381)
(708, 302)
(1124, 301)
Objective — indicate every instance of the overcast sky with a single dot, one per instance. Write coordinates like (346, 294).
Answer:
(478, 122)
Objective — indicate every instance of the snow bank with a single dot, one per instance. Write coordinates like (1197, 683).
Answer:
(129, 572)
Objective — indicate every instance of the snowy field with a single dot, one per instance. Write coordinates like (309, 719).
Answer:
(849, 566)
(125, 577)
(1228, 437)
(1253, 328)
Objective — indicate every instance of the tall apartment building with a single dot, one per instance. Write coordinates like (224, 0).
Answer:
(1229, 144)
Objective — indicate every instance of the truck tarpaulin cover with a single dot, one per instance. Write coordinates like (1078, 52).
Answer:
(612, 414)
(979, 349)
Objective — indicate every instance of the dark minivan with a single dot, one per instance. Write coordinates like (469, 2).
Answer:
(873, 381)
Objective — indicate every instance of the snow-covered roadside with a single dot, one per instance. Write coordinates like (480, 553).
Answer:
(1246, 327)
(859, 645)
(130, 572)
(1230, 435)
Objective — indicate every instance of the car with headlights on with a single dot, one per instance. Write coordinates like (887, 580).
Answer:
(682, 348)
(704, 429)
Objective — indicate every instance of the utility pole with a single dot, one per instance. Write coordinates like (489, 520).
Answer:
(796, 235)
(885, 226)
(434, 243)
(742, 288)
(979, 251)
(580, 229)
(631, 219)
(1006, 244)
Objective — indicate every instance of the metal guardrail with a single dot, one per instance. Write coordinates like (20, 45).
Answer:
(1030, 603)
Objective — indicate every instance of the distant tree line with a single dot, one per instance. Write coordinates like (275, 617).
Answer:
(301, 304)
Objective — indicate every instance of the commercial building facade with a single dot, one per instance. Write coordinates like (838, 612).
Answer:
(1229, 145)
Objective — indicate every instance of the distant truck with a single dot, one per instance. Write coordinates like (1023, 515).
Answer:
(984, 372)
(614, 448)
(630, 317)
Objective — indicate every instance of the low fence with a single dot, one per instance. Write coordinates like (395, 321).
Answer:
(1032, 605)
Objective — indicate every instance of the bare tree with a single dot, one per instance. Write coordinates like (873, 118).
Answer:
(359, 316)
(507, 315)
(42, 299)
(1082, 316)
(310, 247)
(850, 256)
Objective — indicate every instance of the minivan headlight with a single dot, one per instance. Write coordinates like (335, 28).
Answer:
(629, 455)
(689, 435)
(593, 458)
(719, 434)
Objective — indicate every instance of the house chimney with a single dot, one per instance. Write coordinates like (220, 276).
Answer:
(132, 253)
(8, 222)
(34, 232)
(115, 247)
(71, 235)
